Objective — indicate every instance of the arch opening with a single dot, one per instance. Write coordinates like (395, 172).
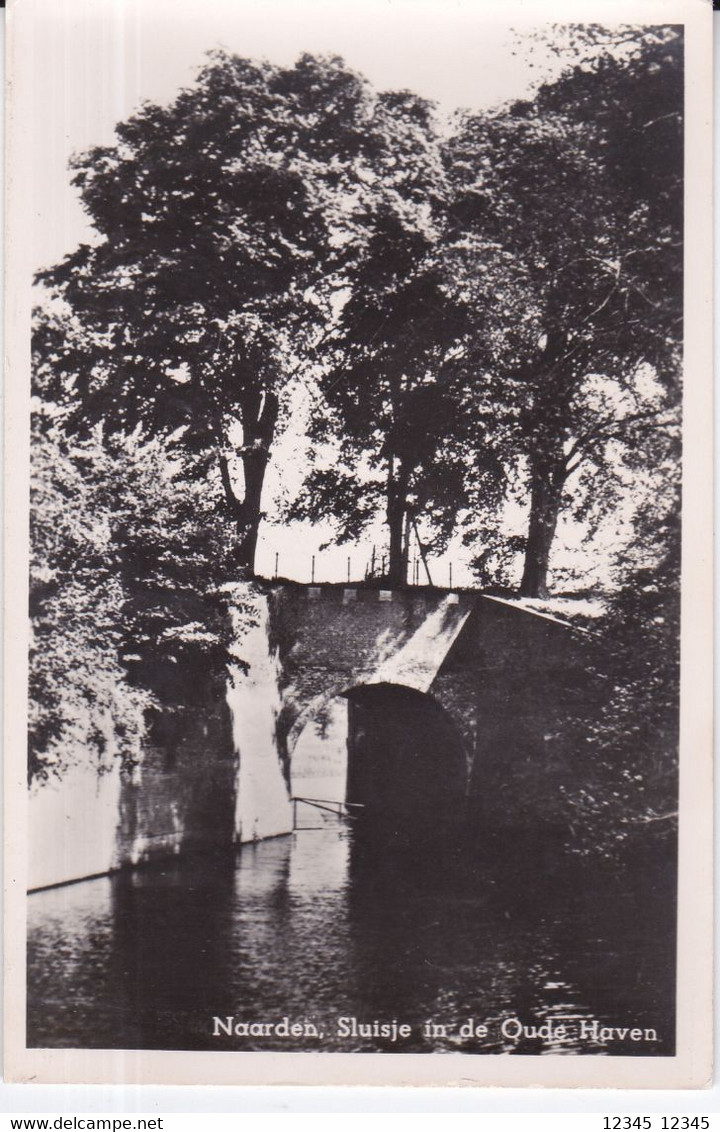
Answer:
(394, 755)
(318, 760)
(407, 768)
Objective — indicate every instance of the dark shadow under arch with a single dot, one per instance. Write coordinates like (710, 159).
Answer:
(407, 768)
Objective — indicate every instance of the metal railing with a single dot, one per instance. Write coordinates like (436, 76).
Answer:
(375, 569)
(340, 810)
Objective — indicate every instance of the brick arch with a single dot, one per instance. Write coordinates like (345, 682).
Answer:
(296, 717)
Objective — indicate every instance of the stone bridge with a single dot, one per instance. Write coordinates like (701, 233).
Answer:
(451, 694)
(420, 702)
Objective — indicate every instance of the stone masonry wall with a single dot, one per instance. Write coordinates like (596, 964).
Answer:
(331, 638)
(533, 678)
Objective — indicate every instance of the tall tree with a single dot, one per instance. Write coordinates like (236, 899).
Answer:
(214, 222)
(390, 400)
(569, 220)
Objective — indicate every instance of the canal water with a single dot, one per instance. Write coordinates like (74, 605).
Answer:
(303, 931)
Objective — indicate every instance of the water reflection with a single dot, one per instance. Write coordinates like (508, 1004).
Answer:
(306, 929)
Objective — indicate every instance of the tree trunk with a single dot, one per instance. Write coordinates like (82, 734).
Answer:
(259, 416)
(254, 461)
(545, 495)
(396, 512)
(546, 425)
(397, 564)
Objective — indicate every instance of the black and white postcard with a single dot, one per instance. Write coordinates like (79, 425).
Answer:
(358, 607)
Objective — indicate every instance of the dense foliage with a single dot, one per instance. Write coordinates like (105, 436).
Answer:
(631, 786)
(82, 705)
(125, 572)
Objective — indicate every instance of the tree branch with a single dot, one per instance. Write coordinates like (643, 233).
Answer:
(616, 427)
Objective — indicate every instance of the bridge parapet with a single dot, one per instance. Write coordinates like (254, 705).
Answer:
(366, 594)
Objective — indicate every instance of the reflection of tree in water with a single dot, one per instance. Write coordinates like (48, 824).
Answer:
(322, 721)
(293, 927)
(493, 939)
(171, 928)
